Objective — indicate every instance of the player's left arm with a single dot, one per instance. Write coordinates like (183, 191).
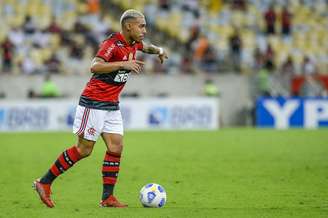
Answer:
(152, 49)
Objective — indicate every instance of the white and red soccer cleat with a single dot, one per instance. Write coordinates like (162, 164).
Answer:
(111, 201)
(44, 191)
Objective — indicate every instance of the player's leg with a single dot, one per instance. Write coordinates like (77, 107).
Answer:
(113, 138)
(65, 161)
(111, 164)
(87, 125)
(68, 158)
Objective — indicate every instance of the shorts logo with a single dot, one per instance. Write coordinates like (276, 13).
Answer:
(91, 131)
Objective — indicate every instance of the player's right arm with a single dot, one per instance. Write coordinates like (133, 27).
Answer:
(103, 62)
(99, 65)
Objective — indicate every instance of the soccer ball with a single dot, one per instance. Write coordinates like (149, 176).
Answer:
(152, 195)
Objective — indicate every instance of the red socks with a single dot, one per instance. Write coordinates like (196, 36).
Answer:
(110, 169)
(65, 161)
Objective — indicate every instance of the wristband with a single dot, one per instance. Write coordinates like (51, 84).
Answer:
(161, 50)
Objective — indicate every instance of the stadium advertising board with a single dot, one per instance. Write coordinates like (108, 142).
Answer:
(58, 115)
(36, 115)
(184, 113)
(282, 113)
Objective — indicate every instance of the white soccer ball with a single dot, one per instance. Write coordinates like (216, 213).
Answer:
(152, 195)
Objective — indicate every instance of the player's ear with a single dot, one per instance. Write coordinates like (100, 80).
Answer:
(125, 26)
(128, 26)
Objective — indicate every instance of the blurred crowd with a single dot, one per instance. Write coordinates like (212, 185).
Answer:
(50, 36)
(271, 40)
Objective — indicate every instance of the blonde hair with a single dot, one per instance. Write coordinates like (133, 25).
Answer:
(131, 13)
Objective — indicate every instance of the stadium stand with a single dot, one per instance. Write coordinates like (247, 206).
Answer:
(205, 36)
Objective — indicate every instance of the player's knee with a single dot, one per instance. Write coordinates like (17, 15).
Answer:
(85, 151)
(85, 148)
(116, 148)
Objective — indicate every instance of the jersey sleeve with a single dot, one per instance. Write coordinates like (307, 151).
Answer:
(140, 46)
(106, 50)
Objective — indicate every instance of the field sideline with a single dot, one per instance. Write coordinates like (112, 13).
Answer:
(225, 173)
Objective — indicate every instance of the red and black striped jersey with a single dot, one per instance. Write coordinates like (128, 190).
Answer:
(103, 90)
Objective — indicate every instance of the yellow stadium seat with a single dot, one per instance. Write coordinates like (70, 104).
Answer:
(248, 39)
(45, 54)
(54, 41)
(36, 56)
(222, 45)
(82, 8)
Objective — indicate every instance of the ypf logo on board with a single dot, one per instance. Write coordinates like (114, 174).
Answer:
(283, 113)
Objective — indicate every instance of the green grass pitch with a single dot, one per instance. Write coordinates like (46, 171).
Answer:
(224, 173)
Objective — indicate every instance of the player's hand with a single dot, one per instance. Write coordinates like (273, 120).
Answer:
(134, 65)
(162, 57)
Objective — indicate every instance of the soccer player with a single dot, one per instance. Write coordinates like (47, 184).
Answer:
(98, 112)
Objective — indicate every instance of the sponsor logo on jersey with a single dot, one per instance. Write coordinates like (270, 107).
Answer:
(121, 77)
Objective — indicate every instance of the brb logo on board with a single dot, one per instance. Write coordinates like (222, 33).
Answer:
(158, 116)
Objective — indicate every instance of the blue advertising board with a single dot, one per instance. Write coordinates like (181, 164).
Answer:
(298, 112)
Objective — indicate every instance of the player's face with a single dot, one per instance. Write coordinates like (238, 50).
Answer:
(138, 29)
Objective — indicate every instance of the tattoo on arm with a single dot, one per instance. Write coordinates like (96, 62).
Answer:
(150, 49)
